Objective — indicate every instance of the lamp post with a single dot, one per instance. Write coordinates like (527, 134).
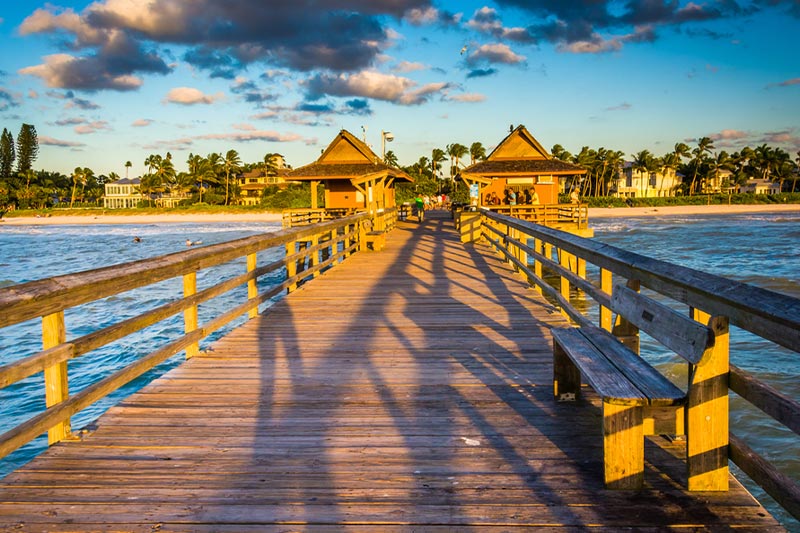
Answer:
(386, 137)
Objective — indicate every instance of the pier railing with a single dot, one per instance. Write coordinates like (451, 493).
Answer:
(550, 215)
(310, 251)
(555, 264)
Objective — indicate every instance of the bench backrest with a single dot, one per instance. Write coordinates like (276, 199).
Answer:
(680, 333)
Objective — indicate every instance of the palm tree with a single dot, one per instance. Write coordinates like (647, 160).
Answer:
(476, 152)
(195, 163)
(559, 153)
(437, 157)
(77, 176)
(128, 166)
(390, 159)
(231, 163)
(681, 150)
(645, 163)
(668, 163)
(704, 146)
(456, 151)
(212, 166)
(270, 167)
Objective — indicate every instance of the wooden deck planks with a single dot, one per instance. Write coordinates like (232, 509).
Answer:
(405, 390)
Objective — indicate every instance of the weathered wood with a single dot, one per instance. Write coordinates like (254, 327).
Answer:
(252, 284)
(766, 313)
(190, 313)
(606, 287)
(777, 405)
(38, 298)
(623, 446)
(781, 487)
(707, 415)
(56, 384)
(678, 332)
(422, 402)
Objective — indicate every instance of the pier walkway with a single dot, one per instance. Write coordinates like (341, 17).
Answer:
(405, 390)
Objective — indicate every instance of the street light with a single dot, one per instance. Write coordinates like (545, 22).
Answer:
(386, 137)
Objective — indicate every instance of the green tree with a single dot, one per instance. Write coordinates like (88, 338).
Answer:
(128, 166)
(77, 177)
(231, 163)
(27, 147)
(390, 159)
(456, 151)
(437, 158)
(7, 154)
(645, 163)
(476, 153)
(704, 147)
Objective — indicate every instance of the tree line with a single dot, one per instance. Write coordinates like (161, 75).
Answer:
(699, 166)
(212, 179)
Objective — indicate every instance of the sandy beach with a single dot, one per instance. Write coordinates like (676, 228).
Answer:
(141, 219)
(594, 212)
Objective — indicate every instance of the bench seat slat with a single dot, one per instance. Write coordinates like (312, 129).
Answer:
(679, 333)
(659, 390)
(595, 368)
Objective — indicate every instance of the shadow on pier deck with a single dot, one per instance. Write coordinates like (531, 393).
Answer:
(405, 390)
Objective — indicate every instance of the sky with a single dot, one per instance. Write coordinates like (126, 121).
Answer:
(111, 81)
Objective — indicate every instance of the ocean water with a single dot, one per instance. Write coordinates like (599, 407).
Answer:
(35, 252)
(762, 250)
(759, 249)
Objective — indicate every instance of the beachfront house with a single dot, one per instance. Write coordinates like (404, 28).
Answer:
(718, 182)
(355, 178)
(122, 194)
(253, 183)
(520, 162)
(632, 182)
(760, 186)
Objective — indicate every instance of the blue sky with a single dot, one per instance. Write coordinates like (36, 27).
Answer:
(109, 81)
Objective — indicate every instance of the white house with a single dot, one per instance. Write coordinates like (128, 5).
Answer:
(633, 183)
(123, 193)
(760, 186)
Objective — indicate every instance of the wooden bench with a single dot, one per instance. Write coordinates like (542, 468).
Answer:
(376, 240)
(638, 400)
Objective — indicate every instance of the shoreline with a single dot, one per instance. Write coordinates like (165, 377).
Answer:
(165, 218)
(594, 212)
(619, 212)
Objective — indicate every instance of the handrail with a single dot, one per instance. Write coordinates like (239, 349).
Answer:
(310, 251)
(767, 314)
(551, 215)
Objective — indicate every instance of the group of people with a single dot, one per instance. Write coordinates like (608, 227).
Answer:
(512, 197)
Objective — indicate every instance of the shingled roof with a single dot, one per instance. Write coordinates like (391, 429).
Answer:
(521, 154)
(346, 157)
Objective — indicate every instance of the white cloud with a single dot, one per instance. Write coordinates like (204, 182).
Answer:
(495, 53)
(51, 141)
(468, 98)
(408, 66)
(373, 84)
(92, 127)
(141, 123)
(190, 96)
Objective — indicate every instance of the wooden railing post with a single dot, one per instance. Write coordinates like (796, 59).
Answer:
(707, 414)
(190, 314)
(313, 257)
(563, 260)
(252, 285)
(537, 265)
(56, 382)
(291, 265)
(606, 286)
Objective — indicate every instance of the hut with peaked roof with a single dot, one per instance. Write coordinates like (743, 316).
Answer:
(520, 162)
(355, 178)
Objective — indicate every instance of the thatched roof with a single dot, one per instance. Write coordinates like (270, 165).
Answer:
(520, 154)
(346, 157)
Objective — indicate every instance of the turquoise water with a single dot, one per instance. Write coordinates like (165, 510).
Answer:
(760, 249)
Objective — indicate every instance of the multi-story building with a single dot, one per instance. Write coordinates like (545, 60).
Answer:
(634, 183)
(122, 194)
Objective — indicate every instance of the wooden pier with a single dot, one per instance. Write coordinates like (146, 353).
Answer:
(404, 390)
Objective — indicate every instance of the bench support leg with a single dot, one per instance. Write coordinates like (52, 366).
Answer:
(623, 446)
(566, 376)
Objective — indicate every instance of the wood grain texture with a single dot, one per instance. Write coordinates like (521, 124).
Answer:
(406, 390)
